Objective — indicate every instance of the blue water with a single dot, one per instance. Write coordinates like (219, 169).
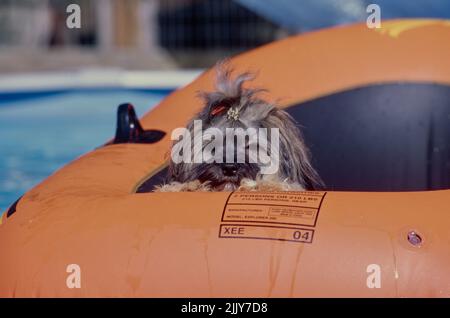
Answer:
(40, 135)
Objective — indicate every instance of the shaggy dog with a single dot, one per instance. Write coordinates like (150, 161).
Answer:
(233, 106)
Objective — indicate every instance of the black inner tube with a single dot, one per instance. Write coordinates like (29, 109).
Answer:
(387, 137)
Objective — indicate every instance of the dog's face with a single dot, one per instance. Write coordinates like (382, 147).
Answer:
(234, 114)
(229, 114)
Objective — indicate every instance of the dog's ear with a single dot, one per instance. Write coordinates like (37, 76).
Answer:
(297, 162)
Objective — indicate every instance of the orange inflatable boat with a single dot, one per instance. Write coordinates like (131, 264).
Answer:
(375, 109)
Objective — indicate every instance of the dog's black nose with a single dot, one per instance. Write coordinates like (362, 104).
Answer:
(229, 169)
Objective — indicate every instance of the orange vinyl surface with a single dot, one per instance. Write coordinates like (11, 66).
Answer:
(309, 244)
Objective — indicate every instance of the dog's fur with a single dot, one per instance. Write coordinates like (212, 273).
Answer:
(295, 170)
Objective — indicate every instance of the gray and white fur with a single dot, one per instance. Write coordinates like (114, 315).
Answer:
(295, 171)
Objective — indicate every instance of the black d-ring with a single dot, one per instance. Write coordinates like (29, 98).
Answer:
(129, 129)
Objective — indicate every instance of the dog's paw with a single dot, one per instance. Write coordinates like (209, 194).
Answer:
(191, 186)
(268, 185)
(248, 185)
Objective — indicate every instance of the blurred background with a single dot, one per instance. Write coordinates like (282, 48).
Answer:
(170, 34)
(59, 87)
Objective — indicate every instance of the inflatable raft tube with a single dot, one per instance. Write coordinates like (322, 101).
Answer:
(375, 106)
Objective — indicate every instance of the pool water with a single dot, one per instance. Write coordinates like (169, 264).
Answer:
(40, 135)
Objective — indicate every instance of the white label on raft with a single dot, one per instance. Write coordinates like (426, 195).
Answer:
(272, 215)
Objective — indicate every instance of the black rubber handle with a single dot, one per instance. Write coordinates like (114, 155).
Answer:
(129, 129)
